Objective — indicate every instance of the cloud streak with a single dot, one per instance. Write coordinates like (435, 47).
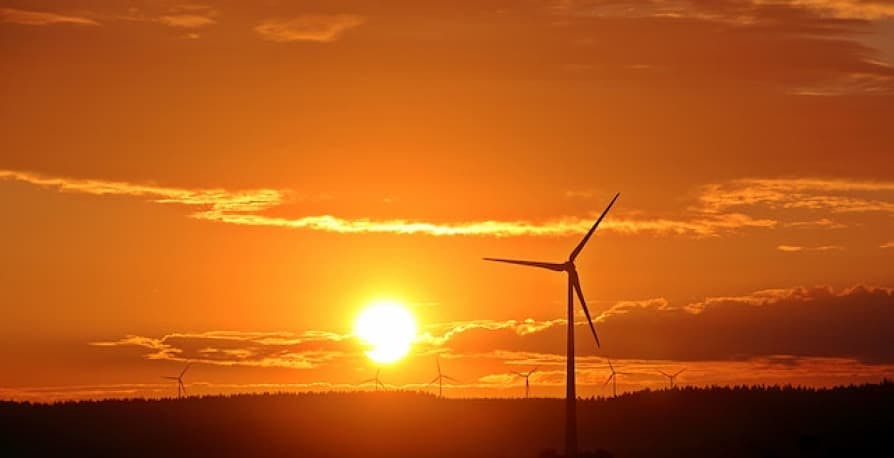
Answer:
(721, 209)
(247, 208)
(320, 28)
(40, 18)
(832, 195)
(243, 348)
(796, 248)
(844, 9)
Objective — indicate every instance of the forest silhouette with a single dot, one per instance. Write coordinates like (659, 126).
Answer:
(691, 422)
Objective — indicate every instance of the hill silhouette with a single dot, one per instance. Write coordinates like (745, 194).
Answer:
(691, 422)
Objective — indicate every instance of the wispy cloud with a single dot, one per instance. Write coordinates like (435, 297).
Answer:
(189, 17)
(797, 248)
(744, 12)
(441, 333)
(248, 207)
(852, 83)
(832, 195)
(188, 21)
(321, 28)
(887, 244)
(243, 348)
(720, 209)
(844, 9)
(39, 18)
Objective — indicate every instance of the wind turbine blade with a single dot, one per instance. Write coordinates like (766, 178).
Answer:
(438, 360)
(433, 380)
(680, 372)
(580, 246)
(183, 387)
(610, 377)
(447, 377)
(169, 377)
(611, 367)
(543, 265)
(533, 370)
(185, 369)
(583, 303)
(367, 381)
(664, 373)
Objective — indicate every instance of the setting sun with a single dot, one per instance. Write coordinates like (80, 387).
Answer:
(388, 328)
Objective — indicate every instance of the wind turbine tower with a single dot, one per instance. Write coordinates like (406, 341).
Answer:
(375, 380)
(440, 379)
(527, 377)
(573, 287)
(614, 379)
(181, 388)
(671, 378)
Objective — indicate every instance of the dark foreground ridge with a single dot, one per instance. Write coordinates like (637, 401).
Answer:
(713, 422)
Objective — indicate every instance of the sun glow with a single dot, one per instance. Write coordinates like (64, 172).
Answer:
(388, 329)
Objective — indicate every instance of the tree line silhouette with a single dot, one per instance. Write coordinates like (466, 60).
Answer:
(742, 421)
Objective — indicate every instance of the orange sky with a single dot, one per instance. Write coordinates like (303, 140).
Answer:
(231, 183)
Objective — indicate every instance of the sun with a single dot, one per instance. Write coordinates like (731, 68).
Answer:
(388, 329)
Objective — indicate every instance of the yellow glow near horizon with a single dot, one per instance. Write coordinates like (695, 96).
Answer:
(388, 328)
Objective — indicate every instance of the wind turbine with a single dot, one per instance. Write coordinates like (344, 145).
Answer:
(527, 376)
(614, 378)
(181, 388)
(671, 377)
(573, 286)
(440, 379)
(377, 380)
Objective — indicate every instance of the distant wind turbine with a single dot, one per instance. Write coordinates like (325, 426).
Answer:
(614, 378)
(440, 379)
(377, 380)
(527, 376)
(573, 286)
(671, 377)
(181, 388)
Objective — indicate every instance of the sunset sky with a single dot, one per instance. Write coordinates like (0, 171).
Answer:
(231, 183)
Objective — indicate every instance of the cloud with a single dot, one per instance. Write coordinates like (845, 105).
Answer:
(188, 21)
(439, 334)
(845, 9)
(887, 244)
(813, 336)
(848, 64)
(743, 12)
(795, 248)
(184, 16)
(720, 209)
(243, 348)
(833, 195)
(818, 322)
(804, 322)
(247, 207)
(825, 223)
(188, 16)
(309, 27)
(38, 18)
(852, 83)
